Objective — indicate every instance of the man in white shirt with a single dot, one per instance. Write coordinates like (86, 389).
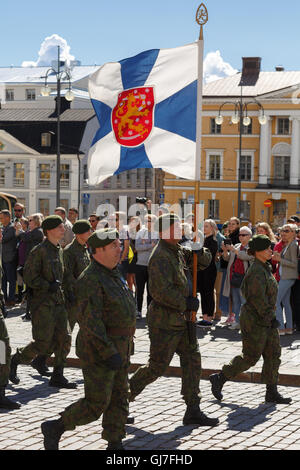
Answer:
(68, 235)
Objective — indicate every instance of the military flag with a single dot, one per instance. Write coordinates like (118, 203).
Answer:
(146, 106)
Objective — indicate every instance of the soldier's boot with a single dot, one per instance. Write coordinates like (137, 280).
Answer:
(13, 377)
(58, 380)
(3, 309)
(217, 381)
(115, 446)
(6, 403)
(194, 415)
(39, 364)
(273, 396)
(52, 431)
(130, 420)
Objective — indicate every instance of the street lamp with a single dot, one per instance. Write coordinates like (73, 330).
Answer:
(69, 96)
(241, 116)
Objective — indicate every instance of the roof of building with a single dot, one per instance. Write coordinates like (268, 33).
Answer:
(267, 82)
(43, 115)
(37, 74)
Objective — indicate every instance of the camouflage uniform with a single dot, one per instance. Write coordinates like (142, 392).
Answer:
(169, 285)
(76, 260)
(259, 288)
(105, 306)
(50, 329)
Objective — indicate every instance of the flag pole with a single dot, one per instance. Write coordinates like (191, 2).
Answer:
(201, 19)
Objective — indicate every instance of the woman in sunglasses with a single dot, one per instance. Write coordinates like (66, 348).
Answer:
(288, 272)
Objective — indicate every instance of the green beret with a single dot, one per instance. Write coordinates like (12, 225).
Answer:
(164, 222)
(102, 237)
(51, 222)
(259, 243)
(81, 226)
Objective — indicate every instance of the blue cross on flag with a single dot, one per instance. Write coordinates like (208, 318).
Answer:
(147, 110)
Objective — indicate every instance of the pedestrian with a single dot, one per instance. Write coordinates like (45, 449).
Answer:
(133, 227)
(19, 211)
(206, 278)
(146, 240)
(238, 263)
(107, 324)
(21, 248)
(43, 274)
(94, 220)
(68, 233)
(73, 215)
(234, 229)
(120, 219)
(170, 289)
(259, 327)
(263, 228)
(5, 402)
(288, 272)
(9, 258)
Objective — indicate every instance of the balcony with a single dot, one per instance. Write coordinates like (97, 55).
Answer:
(64, 183)
(18, 182)
(278, 182)
(44, 182)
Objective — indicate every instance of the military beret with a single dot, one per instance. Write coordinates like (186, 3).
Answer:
(81, 226)
(259, 243)
(102, 237)
(51, 222)
(165, 221)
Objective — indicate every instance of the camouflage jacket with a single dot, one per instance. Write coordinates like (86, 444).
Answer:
(170, 283)
(44, 265)
(259, 288)
(105, 301)
(76, 260)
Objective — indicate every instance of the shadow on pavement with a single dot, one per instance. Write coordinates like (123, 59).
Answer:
(243, 418)
(165, 437)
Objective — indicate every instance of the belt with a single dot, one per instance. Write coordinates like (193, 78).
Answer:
(120, 331)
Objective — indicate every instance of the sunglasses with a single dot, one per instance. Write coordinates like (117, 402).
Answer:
(18, 210)
(244, 235)
(286, 231)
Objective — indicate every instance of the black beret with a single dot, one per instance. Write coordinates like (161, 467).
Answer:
(164, 222)
(259, 243)
(51, 222)
(102, 237)
(81, 226)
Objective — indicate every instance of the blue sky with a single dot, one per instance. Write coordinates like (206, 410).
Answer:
(99, 31)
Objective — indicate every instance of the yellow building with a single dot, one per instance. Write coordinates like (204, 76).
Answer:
(270, 157)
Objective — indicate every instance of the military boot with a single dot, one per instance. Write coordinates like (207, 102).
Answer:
(217, 381)
(6, 403)
(52, 431)
(58, 380)
(273, 396)
(194, 415)
(13, 369)
(115, 446)
(39, 364)
(130, 420)
(3, 309)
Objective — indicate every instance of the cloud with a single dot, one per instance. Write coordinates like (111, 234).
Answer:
(48, 52)
(215, 68)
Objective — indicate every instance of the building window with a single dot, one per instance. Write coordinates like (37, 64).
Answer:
(282, 168)
(213, 209)
(10, 94)
(214, 167)
(44, 207)
(65, 175)
(128, 178)
(65, 204)
(246, 167)
(46, 139)
(245, 210)
(30, 94)
(283, 126)
(107, 183)
(2, 174)
(138, 177)
(18, 174)
(214, 127)
(118, 181)
(44, 174)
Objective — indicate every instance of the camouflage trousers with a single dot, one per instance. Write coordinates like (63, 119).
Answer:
(50, 333)
(106, 392)
(163, 345)
(257, 341)
(5, 352)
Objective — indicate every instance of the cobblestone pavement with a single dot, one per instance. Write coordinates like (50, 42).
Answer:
(246, 422)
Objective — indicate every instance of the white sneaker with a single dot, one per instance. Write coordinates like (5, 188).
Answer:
(235, 326)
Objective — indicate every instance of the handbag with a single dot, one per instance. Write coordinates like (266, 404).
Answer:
(237, 278)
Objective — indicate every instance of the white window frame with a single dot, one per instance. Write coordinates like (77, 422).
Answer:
(210, 153)
(246, 153)
(30, 94)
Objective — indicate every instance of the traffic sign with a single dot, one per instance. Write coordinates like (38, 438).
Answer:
(268, 203)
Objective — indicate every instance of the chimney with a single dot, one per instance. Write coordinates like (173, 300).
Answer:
(251, 70)
(279, 68)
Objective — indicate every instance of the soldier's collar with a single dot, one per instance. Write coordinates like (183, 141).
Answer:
(171, 247)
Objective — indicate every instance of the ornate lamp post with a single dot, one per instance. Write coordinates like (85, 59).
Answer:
(60, 76)
(241, 117)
